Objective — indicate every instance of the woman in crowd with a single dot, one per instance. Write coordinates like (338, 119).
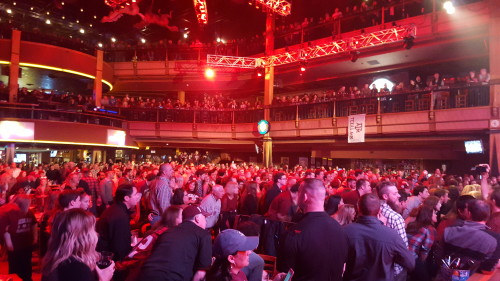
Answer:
(249, 199)
(345, 215)
(231, 250)
(421, 235)
(85, 201)
(134, 260)
(71, 253)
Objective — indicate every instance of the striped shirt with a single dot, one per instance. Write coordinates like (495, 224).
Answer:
(396, 222)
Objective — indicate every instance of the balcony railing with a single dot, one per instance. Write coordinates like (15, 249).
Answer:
(31, 111)
(337, 106)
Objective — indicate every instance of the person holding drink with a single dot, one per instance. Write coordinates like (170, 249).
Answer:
(71, 253)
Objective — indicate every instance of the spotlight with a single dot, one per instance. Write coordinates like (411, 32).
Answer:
(47, 21)
(449, 7)
(408, 42)
(9, 11)
(185, 35)
(143, 41)
(303, 66)
(209, 73)
(260, 72)
(354, 55)
(450, 11)
(82, 31)
(113, 39)
(99, 45)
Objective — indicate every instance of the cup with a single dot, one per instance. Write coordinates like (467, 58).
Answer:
(105, 259)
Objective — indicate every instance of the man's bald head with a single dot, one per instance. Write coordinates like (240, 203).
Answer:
(166, 170)
(312, 195)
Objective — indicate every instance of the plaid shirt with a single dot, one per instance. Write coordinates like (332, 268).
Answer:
(396, 222)
(421, 242)
(94, 187)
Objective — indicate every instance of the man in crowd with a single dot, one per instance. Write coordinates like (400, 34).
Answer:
(362, 187)
(201, 188)
(472, 240)
(19, 231)
(114, 225)
(107, 187)
(279, 180)
(128, 177)
(374, 248)
(308, 247)
(211, 205)
(183, 252)
(420, 193)
(389, 206)
(93, 185)
(160, 193)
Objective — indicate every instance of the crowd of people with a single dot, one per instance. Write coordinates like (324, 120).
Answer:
(222, 102)
(218, 221)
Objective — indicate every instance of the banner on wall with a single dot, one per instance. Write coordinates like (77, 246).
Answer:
(356, 128)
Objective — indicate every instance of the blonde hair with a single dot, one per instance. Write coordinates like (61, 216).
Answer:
(73, 236)
(345, 215)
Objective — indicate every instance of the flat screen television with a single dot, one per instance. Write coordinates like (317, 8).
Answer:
(53, 153)
(20, 157)
(473, 146)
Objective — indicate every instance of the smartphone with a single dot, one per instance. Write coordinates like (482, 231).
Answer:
(289, 275)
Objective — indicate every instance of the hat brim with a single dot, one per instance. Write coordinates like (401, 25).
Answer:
(251, 243)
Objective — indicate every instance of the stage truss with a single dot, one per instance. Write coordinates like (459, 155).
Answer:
(280, 7)
(377, 38)
(200, 7)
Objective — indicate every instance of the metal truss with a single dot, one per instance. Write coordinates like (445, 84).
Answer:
(362, 41)
(200, 7)
(227, 61)
(281, 7)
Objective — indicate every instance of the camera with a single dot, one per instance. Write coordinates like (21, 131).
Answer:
(479, 169)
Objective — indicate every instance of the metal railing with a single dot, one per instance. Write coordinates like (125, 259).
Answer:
(31, 111)
(336, 106)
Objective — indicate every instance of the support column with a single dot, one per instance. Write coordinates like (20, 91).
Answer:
(267, 151)
(181, 95)
(98, 77)
(15, 48)
(10, 152)
(267, 147)
(494, 57)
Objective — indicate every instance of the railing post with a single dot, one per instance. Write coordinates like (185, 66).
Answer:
(379, 116)
(383, 15)
(334, 116)
(232, 120)
(297, 116)
(157, 115)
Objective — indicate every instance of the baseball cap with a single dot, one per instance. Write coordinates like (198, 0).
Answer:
(191, 211)
(231, 241)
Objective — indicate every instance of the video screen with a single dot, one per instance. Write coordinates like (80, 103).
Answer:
(474, 146)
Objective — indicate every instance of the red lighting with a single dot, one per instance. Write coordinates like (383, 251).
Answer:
(209, 73)
(200, 7)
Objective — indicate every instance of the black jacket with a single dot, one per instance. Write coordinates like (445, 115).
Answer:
(114, 231)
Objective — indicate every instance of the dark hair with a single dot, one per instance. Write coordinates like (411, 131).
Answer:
(479, 210)
(453, 193)
(169, 216)
(423, 219)
(419, 189)
(360, 183)
(66, 196)
(369, 205)
(463, 201)
(495, 196)
(317, 172)
(122, 191)
(431, 201)
(177, 197)
(249, 228)
(277, 177)
(332, 204)
(220, 270)
(403, 194)
(200, 172)
(295, 188)
(352, 179)
(440, 192)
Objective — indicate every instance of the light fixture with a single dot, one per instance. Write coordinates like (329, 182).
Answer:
(143, 41)
(99, 45)
(303, 66)
(354, 55)
(408, 42)
(81, 10)
(90, 25)
(47, 21)
(63, 17)
(113, 39)
(9, 11)
(32, 8)
(14, 3)
(218, 40)
(77, 21)
(82, 31)
(449, 7)
(48, 13)
(185, 35)
(260, 71)
(62, 3)
(95, 16)
(451, 11)
(209, 73)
